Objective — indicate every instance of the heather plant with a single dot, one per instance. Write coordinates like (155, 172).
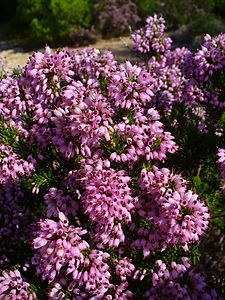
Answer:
(115, 17)
(83, 164)
(189, 94)
(151, 39)
(210, 23)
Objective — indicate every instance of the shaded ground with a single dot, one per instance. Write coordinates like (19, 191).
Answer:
(15, 55)
(212, 263)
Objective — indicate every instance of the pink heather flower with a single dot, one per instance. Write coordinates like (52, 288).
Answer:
(56, 292)
(175, 213)
(121, 292)
(151, 37)
(94, 277)
(176, 56)
(91, 64)
(131, 86)
(167, 282)
(108, 189)
(146, 138)
(169, 83)
(107, 200)
(86, 118)
(12, 106)
(92, 119)
(14, 287)
(200, 67)
(58, 245)
(125, 268)
(210, 57)
(12, 166)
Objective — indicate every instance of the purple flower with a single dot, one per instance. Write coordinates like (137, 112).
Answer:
(151, 37)
(58, 245)
(175, 213)
(12, 166)
(13, 286)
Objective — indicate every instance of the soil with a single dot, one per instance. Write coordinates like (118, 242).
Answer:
(212, 263)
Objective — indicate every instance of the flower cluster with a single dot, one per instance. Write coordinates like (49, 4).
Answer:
(179, 76)
(107, 209)
(168, 80)
(152, 38)
(12, 166)
(108, 201)
(204, 70)
(59, 245)
(175, 213)
(166, 281)
(13, 286)
(124, 268)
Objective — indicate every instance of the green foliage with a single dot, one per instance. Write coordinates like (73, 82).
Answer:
(117, 144)
(219, 7)
(180, 12)
(44, 21)
(43, 179)
(37, 22)
(10, 137)
(208, 189)
(125, 113)
(207, 23)
(197, 158)
(147, 7)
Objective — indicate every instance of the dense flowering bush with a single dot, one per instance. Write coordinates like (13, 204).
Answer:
(88, 197)
(195, 79)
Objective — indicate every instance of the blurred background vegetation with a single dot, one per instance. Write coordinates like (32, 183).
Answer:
(77, 22)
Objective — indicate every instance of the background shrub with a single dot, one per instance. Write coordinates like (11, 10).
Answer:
(51, 22)
(115, 17)
(219, 7)
(210, 23)
(183, 12)
(147, 8)
(78, 22)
